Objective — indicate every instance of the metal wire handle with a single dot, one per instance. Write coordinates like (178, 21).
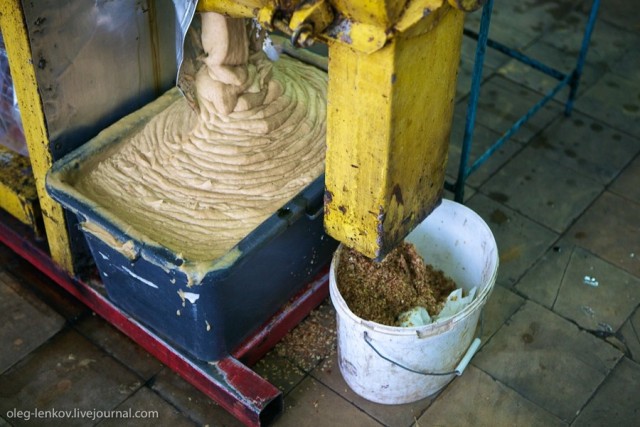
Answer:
(475, 344)
(367, 339)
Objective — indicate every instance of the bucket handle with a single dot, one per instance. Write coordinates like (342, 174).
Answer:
(473, 348)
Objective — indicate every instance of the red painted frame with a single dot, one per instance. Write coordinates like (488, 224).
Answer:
(229, 381)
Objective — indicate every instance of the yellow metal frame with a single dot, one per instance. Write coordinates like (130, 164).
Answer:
(18, 194)
(388, 123)
(16, 39)
(390, 105)
(392, 75)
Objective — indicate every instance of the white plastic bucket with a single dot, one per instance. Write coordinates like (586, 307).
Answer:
(457, 241)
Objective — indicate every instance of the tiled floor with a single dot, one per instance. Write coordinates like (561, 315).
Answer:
(562, 199)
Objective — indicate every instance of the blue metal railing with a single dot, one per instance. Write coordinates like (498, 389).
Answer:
(571, 79)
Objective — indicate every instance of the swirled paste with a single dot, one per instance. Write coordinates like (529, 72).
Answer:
(198, 183)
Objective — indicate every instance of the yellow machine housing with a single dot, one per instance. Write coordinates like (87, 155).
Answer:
(392, 73)
(392, 76)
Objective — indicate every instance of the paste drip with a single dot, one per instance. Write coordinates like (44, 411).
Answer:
(198, 183)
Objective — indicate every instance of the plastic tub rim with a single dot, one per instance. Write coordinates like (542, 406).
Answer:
(62, 190)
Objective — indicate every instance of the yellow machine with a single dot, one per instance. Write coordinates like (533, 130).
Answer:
(392, 76)
(79, 66)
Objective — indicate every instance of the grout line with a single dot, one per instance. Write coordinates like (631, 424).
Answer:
(597, 389)
(635, 331)
(564, 272)
(353, 404)
(523, 397)
(64, 329)
(111, 354)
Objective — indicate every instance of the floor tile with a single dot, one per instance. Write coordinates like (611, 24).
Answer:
(595, 294)
(542, 281)
(465, 75)
(463, 81)
(24, 325)
(541, 189)
(8, 258)
(483, 139)
(608, 43)
(148, 409)
(630, 333)
(616, 402)
(119, 346)
(67, 373)
(477, 399)
(620, 13)
(450, 195)
(493, 58)
(499, 308)
(325, 315)
(35, 284)
(555, 58)
(583, 288)
(189, 400)
(313, 404)
(502, 102)
(615, 101)
(328, 373)
(533, 17)
(537, 365)
(520, 241)
(279, 372)
(609, 229)
(587, 145)
(547, 360)
(311, 344)
(308, 344)
(628, 66)
(626, 185)
(503, 33)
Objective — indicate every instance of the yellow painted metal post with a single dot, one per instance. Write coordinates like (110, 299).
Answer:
(14, 31)
(388, 123)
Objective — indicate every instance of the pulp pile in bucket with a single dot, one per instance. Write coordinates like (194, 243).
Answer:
(380, 291)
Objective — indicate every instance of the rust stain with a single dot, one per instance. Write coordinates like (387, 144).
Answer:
(379, 252)
(407, 218)
(498, 217)
(511, 254)
(397, 193)
(328, 197)
(499, 197)
(580, 235)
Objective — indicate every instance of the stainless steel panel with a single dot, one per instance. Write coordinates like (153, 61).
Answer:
(97, 61)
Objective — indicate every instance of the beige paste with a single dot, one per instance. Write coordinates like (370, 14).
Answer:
(198, 183)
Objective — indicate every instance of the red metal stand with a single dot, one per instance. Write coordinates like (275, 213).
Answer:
(229, 381)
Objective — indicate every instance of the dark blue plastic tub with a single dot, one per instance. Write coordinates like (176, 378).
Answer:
(206, 308)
